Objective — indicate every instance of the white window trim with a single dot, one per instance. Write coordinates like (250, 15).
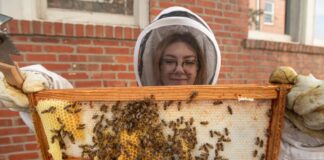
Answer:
(140, 17)
(269, 13)
(258, 35)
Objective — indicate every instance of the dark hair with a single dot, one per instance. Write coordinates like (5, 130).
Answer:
(192, 43)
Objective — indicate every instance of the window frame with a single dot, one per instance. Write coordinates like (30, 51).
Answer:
(271, 13)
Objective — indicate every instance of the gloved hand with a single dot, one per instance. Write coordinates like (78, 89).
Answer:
(16, 99)
(305, 100)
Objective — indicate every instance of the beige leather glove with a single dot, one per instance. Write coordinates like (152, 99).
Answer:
(305, 100)
(16, 99)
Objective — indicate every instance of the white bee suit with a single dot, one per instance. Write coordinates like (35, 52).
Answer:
(169, 21)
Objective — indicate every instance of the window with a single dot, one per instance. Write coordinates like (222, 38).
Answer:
(111, 12)
(115, 12)
(270, 20)
(268, 12)
(297, 21)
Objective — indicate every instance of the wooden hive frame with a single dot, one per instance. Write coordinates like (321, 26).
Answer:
(275, 93)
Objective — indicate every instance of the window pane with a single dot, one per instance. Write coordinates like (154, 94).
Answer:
(268, 7)
(124, 7)
(268, 18)
(319, 20)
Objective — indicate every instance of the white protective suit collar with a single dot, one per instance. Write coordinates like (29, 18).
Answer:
(174, 20)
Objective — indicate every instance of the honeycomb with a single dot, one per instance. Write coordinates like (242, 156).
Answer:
(54, 113)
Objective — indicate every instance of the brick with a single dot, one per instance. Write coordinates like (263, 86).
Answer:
(4, 140)
(94, 50)
(57, 67)
(5, 122)
(72, 58)
(13, 26)
(48, 28)
(104, 59)
(165, 4)
(186, 1)
(8, 113)
(124, 59)
(106, 42)
(130, 68)
(29, 47)
(79, 29)
(18, 122)
(19, 38)
(113, 67)
(87, 84)
(213, 12)
(69, 29)
(25, 26)
(208, 4)
(11, 149)
(197, 10)
(40, 57)
(104, 76)
(58, 28)
(115, 83)
(118, 32)
(32, 146)
(58, 49)
(86, 67)
(37, 27)
(23, 138)
(73, 75)
(109, 31)
(136, 33)
(89, 30)
(126, 76)
(119, 50)
(20, 156)
(100, 31)
(17, 130)
(128, 33)
(76, 41)
(45, 39)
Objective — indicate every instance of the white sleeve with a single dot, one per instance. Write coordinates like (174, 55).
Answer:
(57, 82)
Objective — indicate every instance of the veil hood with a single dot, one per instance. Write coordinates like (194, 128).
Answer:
(169, 21)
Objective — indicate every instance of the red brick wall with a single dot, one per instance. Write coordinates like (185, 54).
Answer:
(102, 56)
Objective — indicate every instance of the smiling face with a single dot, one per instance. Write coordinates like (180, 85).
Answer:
(178, 65)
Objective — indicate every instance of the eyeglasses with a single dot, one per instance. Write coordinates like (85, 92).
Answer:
(186, 64)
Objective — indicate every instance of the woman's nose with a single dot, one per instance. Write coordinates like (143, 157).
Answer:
(179, 69)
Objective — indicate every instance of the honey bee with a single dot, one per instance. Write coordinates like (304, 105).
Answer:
(204, 122)
(255, 153)
(226, 131)
(211, 134)
(49, 110)
(257, 141)
(179, 105)
(81, 126)
(59, 120)
(95, 116)
(261, 143)
(262, 156)
(217, 133)
(230, 111)
(193, 95)
(191, 120)
(217, 102)
(167, 104)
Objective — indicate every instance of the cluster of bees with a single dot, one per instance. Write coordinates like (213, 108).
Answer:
(259, 143)
(135, 131)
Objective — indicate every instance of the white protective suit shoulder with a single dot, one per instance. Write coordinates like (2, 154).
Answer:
(298, 145)
(57, 82)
